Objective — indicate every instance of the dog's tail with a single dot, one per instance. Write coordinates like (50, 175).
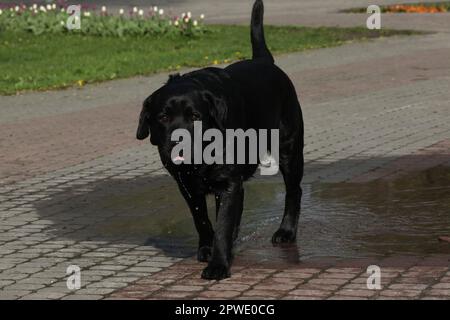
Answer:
(260, 50)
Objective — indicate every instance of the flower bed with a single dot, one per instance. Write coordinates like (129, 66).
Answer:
(431, 7)
(52, 18)
(417, 8)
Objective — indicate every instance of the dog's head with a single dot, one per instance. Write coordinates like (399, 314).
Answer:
(177, 105)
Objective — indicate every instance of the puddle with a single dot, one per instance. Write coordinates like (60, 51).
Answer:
(347, 220)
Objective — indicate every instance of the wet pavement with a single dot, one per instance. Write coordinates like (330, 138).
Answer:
(402, 216)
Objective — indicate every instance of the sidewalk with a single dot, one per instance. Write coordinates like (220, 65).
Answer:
(76, 188)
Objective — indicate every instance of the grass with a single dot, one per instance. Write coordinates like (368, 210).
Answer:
(384, 9)
(30, 62)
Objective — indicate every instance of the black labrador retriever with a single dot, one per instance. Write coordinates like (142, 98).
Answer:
(248, 94)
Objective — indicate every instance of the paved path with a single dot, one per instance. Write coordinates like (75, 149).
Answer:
(373, 110)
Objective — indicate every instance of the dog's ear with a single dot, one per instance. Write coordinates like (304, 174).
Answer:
(173, 77)
(143, 130)
(218, 109)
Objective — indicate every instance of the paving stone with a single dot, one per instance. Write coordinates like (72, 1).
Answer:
(228, 286)
(400, 293)
(83, 297)
(308, 293)
(182, 288)
(439, 292)
(219, 294)
(13, 294)
(356, 293)
(44, 296)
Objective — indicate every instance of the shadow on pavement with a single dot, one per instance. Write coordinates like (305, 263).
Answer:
(401, 216)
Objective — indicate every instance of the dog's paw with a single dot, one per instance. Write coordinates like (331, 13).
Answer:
(283, 236)
(216, 272)
(204, 253)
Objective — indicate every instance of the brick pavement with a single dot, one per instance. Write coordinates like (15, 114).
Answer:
(422, 279)
(74, 182)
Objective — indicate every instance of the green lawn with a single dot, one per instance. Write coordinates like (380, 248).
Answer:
(30, 62)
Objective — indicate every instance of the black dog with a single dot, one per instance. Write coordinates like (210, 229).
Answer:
(248, 94)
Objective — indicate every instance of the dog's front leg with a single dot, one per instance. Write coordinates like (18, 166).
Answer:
(199, 211)
(229, 212)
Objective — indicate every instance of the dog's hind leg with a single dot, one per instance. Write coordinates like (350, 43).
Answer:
(291, 166)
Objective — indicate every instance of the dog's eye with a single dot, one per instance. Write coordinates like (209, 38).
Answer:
(195, 116)
(163, 118)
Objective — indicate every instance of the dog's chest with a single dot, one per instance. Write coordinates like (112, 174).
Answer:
(205, 182)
